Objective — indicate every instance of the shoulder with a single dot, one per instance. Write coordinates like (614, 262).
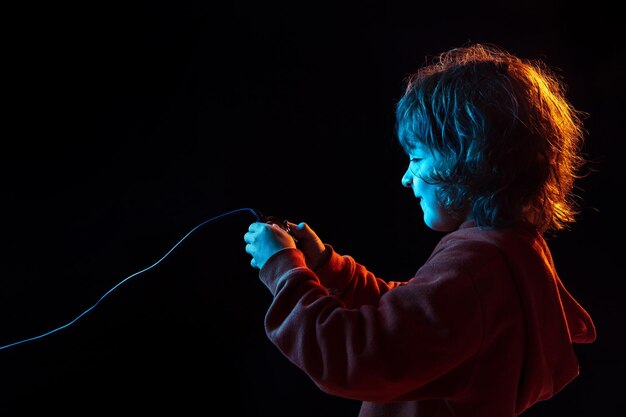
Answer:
(470, 243)
(467, 249)
(473, 256)
(469, 270)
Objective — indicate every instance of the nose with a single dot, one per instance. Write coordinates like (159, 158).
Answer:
(407, 178)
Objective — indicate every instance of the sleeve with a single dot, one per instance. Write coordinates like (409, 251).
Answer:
(406, 345)
(350, 281)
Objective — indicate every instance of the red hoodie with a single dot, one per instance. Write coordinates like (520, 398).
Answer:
(484, 328)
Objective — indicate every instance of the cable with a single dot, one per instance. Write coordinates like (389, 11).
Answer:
(256, 213)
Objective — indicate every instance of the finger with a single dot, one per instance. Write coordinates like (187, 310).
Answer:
(254, 227)
(249, 237)
(278, 228)
(301, 230)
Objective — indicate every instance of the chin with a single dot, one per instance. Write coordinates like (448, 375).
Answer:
(440, 229)
(442, 225)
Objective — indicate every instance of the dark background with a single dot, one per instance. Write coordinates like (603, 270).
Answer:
(127, 124)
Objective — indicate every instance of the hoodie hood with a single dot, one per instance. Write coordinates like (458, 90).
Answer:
(554, 320)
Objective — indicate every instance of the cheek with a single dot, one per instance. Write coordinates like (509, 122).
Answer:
(426, 191)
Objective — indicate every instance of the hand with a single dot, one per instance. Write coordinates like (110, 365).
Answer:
(264, 240)
(309, 243)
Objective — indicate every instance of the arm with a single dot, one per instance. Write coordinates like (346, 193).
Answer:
(340, 275)
(399, 348)
(350, 281)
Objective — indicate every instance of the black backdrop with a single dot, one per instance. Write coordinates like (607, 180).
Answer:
(127, 124)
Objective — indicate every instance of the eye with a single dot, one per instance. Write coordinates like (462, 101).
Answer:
(414, 164)
(414, 161)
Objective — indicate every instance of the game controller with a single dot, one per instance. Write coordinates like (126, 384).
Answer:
(282, 223)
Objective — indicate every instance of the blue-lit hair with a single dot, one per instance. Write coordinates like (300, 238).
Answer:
(509, 142)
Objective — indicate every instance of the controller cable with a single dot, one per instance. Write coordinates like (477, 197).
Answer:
(260, 217)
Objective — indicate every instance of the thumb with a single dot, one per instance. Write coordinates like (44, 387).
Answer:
(302, 231)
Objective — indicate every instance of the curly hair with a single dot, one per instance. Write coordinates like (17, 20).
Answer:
(508, 141)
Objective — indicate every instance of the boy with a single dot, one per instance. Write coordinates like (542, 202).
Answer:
(485, 327)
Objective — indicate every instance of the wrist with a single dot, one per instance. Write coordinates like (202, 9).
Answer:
(321, 259)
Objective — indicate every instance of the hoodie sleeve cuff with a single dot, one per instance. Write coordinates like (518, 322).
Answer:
(278, 265)
(335, 271)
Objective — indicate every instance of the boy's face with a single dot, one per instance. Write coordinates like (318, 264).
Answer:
(421, 164)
